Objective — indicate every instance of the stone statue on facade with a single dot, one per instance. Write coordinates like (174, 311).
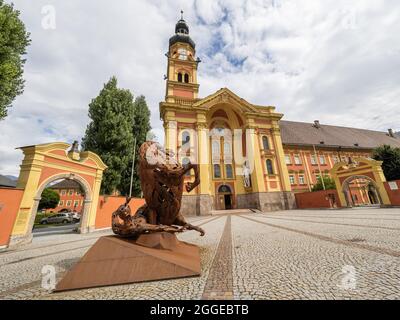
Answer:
(162, 183)
(246, 176)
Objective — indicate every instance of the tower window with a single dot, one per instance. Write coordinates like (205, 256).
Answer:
(186, 142)
(265, 143)
(180, 77)
(217, 171)
(229, 171)
(185, 137)
(182, 54)
(270, 168)
(186, 78)
(186, 161)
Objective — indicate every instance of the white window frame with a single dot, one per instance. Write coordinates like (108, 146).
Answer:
(297, 159)
(288, 159)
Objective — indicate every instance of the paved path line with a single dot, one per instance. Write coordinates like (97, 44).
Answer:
(348, 243)
(61, 274)
(331, 223)
(14, 251)
(339, 217)
(219, 284)
(80, 240)
(45, 255)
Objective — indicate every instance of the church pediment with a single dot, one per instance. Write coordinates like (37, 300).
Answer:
(225, 96)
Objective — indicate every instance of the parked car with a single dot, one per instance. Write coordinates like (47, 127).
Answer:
(58, 218)
(75, 216)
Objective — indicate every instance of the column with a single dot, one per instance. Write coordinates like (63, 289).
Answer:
(280, 155)
(91, 220)
(203, 155)
(170, 126)
(254, 157)
(28, 180)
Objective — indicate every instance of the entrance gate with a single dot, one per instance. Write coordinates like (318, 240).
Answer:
(365, 169)
(225, 198)
(46, 163)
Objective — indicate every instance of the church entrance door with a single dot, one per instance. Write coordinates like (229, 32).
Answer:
(225, 198)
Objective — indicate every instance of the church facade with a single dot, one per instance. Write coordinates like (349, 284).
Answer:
(248, 157)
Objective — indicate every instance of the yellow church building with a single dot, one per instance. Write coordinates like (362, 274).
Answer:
(248, 157)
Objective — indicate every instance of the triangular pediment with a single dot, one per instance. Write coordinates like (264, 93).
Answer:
(225, 96)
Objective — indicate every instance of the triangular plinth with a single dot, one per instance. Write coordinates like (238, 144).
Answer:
(112, 261)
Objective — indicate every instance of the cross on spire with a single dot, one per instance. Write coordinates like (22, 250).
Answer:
(181, 14)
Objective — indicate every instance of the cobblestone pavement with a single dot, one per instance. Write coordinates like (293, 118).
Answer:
(302, 254)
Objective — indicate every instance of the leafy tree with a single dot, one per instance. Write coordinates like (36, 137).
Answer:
(49, 199)
(13, 42)
(329, 184)
(140, 129)
(391, 161)
(109, 134)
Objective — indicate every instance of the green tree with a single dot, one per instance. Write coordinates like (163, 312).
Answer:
(13, 42)
(109, 134)
(49, 199)
(391, 161)
(329, 184)
(140, 129)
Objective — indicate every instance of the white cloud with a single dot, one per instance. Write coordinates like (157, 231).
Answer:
(313, 59)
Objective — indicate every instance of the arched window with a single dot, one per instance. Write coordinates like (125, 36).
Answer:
(217, 171)
(186, 78)
(186, 161)
(185, 138)
(227, 149)
(180, 77)
(229, 171)
(270, 168)
(224, 189)
(215, 148)
(265, 143)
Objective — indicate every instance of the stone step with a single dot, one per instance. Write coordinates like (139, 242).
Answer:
(234, 211)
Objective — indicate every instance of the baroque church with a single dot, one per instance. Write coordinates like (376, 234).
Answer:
(249, 158)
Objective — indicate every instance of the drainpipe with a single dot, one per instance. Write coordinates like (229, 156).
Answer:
(319, 167)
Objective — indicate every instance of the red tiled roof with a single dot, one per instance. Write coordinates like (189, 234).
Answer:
(66, 184)
(301, 133)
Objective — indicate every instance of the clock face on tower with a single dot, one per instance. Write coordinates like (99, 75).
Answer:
(182, 54)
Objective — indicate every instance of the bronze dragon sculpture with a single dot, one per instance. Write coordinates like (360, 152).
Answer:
(162, 183)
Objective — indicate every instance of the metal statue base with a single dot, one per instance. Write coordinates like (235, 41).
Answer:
(114, 261)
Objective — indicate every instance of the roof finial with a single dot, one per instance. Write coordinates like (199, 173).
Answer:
(181, 14)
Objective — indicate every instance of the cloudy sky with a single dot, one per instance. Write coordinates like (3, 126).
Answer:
(333, 60)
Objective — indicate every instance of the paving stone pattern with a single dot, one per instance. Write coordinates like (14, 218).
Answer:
(318, 254)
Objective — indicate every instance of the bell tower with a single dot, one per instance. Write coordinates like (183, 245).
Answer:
(182, 65)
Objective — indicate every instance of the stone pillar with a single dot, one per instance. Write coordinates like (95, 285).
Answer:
(170, 126)
(254, 157)
(28, 180)
(280, 158)
(93, 203)
(204, 195)
(380, 179)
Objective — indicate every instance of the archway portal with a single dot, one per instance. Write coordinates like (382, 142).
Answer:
(72, 210)
(61, 207)
(225, 198)
(361, 191)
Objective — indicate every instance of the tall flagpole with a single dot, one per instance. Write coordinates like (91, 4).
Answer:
(133, 167)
